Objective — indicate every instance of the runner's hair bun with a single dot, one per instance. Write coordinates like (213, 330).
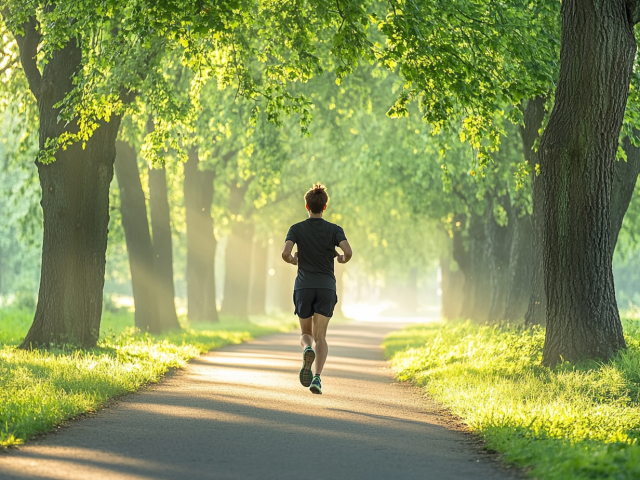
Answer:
(317, 198)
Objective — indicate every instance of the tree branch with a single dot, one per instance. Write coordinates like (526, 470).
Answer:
(28, 45)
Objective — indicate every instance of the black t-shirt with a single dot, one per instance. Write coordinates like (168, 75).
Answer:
(317, 240)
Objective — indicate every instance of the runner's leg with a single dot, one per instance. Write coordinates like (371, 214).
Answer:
(306, 335)
(320, 323)
(308, 356)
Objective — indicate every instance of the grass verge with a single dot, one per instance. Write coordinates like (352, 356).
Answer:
(41, 389)
(573, 422)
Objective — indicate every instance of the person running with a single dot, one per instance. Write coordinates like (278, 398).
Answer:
(314, 292)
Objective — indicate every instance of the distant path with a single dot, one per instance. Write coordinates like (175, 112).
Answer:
(240, 413)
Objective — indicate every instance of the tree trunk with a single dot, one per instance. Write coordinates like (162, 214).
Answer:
(258, 291)
(238, 258)
(625, 177)
(465, 266)
(477, 282)
(536, 313)
(520, 268)
(498, 241)
(75, 206)
(136, 229)
(577, 156)
(201, 242)
(162, 249)
(451, 286)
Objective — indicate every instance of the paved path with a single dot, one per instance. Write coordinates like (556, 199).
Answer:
(240, 413)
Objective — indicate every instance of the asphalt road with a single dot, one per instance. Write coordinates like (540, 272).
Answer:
(241, 413)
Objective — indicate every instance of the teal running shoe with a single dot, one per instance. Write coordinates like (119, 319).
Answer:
(307, 360)
(316, 386)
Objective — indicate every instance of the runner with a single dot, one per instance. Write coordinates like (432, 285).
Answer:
(314, 292)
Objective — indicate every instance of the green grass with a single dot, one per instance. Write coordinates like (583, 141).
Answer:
(41, 389)
(574, 422)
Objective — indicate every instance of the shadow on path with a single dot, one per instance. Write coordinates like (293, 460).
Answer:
(240, 413)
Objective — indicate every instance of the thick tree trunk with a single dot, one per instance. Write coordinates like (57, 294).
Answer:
(258, 295)
(451, 287)
(520, 268)
(162, 249)
(498, 240)
(201, 242)
(625, 177)
(533, 116)
(133, 210)
(75, 206)
(577, 156)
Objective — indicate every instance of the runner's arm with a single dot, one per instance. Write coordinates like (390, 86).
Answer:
(348, 253)
(286, 253)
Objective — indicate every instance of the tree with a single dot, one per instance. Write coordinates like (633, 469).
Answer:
(162, 248)
(75, 204)
(533, 117)
(201, 242)
(577, 156)
(82, 88)
(136, 227)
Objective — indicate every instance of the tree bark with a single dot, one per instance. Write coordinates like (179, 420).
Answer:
(520, 268)
(201, 242)
(625, 177)
(258, 291)
(162, 248)
(136, 229)
(577, 156)
(498, 241)
(536, 313)
(75, 206)
(238, 258)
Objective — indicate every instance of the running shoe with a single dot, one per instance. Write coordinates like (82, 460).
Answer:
(307, 360)
(316, 386)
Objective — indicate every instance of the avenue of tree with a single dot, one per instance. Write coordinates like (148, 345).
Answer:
(500, 138)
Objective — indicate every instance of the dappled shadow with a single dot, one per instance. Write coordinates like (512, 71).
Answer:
(240, 413)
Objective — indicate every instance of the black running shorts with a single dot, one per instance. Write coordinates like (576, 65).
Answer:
(314, 300)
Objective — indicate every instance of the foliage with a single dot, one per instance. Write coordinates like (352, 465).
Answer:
(41, 389)
(471, 61)
(20, 215)
(577, 421)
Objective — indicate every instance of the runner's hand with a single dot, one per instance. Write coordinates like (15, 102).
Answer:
(294, 259)
(340, 259)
